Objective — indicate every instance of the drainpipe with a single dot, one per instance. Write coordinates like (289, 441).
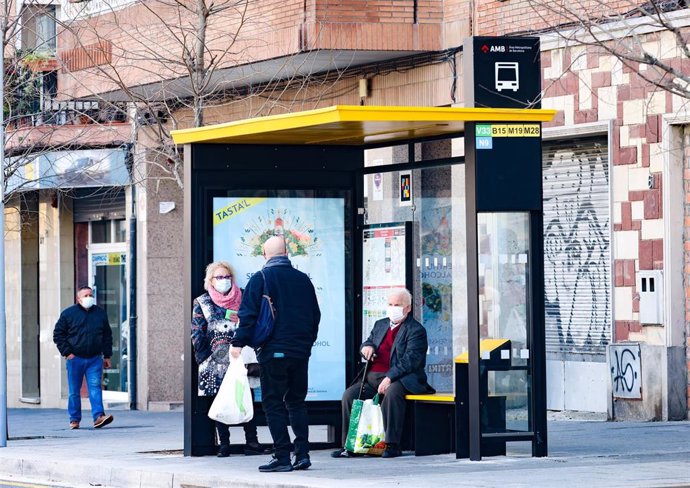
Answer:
(132, 346)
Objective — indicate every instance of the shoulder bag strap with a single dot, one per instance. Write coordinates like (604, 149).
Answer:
(266, 290)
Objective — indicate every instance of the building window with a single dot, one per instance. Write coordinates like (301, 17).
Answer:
(108, 231)
(39, 29)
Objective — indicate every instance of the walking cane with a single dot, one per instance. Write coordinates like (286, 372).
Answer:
(364, 378)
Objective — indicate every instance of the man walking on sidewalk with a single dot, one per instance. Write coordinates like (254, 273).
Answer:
(83, 337)
(284, 358)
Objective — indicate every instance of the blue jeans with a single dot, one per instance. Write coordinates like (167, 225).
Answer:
(77, 368)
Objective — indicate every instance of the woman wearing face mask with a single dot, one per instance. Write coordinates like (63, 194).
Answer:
(214, 320)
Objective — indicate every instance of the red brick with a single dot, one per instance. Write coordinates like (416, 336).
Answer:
(622, 331)
(646, 254)
(636, 225)
(652, 204)
(546, 59)
(638, 131)
(636, 195)
(626, 216)
(618, 272)
(634, 326)
(658, 250)
(645, 155)
(626, 155)
(592, 60)
(601, 79)
(653, 128)
(629, 272)
(617, 227)
(623, 93)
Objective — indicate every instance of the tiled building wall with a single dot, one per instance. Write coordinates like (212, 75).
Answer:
(596, 88)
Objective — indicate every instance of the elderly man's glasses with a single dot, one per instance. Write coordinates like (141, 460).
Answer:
(226, 277)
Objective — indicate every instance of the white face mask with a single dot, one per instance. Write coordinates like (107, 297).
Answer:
(223, 286)
(395, 314)
(87, 302)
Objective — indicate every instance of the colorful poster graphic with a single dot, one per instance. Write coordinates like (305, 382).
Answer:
(383, 248)
(314, 231)
(405, 189)
(437, 279)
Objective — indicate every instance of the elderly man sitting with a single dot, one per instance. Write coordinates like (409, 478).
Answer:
(397, 347)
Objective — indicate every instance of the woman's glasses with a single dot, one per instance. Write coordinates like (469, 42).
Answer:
(226, 277)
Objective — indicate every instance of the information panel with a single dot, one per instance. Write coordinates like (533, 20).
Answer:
(385, 259)
(314, 231)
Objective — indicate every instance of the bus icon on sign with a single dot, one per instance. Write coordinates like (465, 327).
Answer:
(507, 76)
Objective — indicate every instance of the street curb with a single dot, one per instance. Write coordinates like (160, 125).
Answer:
(94, 474)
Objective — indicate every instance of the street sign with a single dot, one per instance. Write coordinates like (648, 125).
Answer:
(502, 72)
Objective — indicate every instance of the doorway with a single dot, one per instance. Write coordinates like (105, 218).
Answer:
(107, 272)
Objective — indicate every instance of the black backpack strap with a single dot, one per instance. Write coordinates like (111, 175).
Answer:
(266, 290)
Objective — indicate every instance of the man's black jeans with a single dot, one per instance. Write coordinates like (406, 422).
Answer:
(283, 390)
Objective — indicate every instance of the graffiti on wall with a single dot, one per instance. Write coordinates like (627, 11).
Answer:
(576, 250)
(624, 364)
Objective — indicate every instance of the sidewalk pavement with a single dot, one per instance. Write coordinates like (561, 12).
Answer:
(143, 450)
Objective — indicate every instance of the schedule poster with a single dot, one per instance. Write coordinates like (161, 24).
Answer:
(314, 231)
(385, 259)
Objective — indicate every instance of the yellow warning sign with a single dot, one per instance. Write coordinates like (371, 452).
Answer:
(515, 130)
(234, 208)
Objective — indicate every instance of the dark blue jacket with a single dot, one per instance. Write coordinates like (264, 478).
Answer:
(297, 311)
(84, 333)
(408, 356)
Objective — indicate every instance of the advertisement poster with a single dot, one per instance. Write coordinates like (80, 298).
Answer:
(406, 189)
(383, 248)
(314, 231)
(437, 279)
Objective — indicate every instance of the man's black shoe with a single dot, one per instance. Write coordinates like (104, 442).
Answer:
(224, 450)
(341, 453)
(276, 466)
(303, 463)
(391, 451)
(254, 448)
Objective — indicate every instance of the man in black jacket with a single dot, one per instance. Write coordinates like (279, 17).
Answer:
(83, 336)
(397, 347)
(284, 358)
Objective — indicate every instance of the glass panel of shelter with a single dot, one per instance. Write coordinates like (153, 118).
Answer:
(504, 249)
(437, 209)
(436, 206)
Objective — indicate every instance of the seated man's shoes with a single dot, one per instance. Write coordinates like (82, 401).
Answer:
(391, 451)
(224, 450)
(341, 453)
(102, 421)
(276, 466)
(254, 448)
(303, 463)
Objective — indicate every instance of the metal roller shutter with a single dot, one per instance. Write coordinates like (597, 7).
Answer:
(577, 247)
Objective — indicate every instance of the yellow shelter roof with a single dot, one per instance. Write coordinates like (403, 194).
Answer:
(354, 125)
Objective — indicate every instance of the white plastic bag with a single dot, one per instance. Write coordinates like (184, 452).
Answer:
(233, 404)
(366, 434)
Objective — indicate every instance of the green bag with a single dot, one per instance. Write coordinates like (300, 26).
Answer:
(366, 434)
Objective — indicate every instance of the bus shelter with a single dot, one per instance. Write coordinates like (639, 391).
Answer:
(446, 202)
